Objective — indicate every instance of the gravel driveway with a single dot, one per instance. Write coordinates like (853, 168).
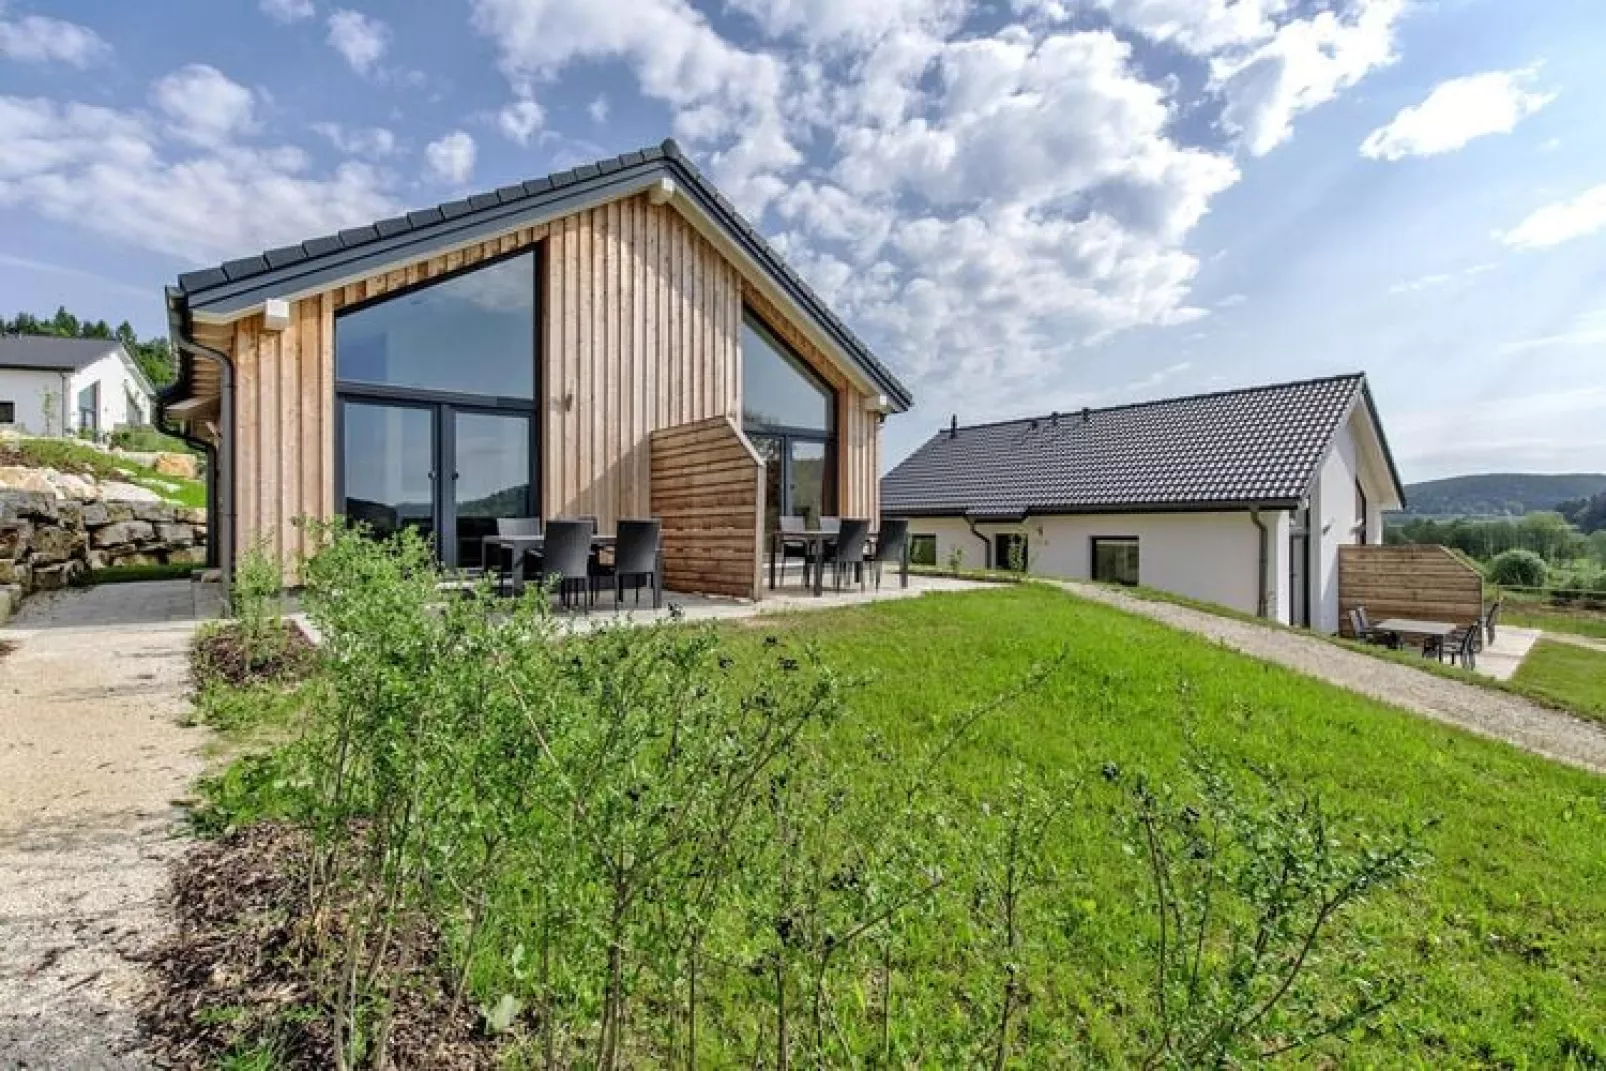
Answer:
(92, 756)
(1484, 711)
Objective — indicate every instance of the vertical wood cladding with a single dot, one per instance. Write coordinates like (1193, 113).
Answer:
(640, 331)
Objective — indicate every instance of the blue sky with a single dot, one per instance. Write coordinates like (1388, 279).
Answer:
(1023, 206)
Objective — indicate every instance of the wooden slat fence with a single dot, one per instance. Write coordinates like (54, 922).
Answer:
(1424, 582)
(708, 489)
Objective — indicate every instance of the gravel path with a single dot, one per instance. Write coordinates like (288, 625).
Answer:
(92, 756)
(1484, 711)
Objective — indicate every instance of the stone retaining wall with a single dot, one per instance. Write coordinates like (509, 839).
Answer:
(48, 542)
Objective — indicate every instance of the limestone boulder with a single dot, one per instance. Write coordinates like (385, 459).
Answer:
(28, 505)
(190, 515)
(95, 515)
(16, 572)
(14, 538)
(124, 532)
(117, 491)
(118, 511)
(70, 485)
(56, 544)
(175, 535)
(17, 478)
(155, 512)
(10, 600)
(185, 465)
(187, 556)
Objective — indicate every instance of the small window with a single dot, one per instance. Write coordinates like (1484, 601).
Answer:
(8, 412)
(1115, 560)
(1010, 552)
(922, 550)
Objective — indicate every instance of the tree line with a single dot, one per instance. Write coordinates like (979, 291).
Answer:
(153, 355)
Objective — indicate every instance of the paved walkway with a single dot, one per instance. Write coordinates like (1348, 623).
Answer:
(1572, 638)
(1502, 658)
(1484, 711)
(92, 756)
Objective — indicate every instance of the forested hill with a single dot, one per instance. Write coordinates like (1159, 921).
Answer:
(1496, 494)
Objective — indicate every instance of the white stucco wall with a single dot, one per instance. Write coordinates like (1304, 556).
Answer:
(1336, 519)
(26, 388)
(1209, 556)
(116, 383)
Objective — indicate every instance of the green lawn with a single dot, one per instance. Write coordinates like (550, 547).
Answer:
(69, 455)
(1506, 937)
(1501, 943)
(1567, 674)
(1556, 619)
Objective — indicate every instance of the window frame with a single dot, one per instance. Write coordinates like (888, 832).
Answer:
(1001, 552)
(1361, 506)
(446, 404)
(1093, 544)
(8, 412)
(922, 539)
(785, 435)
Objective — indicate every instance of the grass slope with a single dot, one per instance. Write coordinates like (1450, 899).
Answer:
(1507, 934)
(1579, 622)
(1567, 674)
(68, 455)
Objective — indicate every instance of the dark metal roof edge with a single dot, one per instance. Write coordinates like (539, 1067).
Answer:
(1234, 505)
(232, 293)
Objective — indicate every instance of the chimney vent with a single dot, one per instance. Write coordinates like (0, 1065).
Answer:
(953, 427)
(1087, 415)
(1054, 419)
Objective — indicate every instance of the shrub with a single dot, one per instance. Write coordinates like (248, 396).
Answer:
(1518, 569)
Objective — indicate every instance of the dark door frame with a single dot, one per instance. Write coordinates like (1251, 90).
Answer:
(443, 407)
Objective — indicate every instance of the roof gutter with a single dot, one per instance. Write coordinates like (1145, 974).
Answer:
(219, 459)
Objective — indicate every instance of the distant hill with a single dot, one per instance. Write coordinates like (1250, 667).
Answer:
(1499, 494)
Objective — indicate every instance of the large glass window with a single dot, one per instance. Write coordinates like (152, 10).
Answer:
(437, 387)
(779, 390)
(472, 333)
(790, 414)
(1011, 551)
(1115, 560)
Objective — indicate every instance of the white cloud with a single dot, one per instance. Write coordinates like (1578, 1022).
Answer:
(1560, 222)
(1202, 27)
(1439, 279)
(360, 38)
(126, 176)
(376, 142)
(40, 39)
(1231, 301)
(1586, 336)
(288, 10)
(725, 97)
(1306, 63)
(521, 120)
(451, 158)
(1456, 112)
(598, 109)
(203, 105)
(847, 21)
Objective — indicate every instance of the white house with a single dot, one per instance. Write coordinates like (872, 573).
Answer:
(1240, 498)
(62, 386)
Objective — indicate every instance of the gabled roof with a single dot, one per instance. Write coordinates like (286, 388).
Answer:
(238, 285)
(51, 354)
(1227, 450)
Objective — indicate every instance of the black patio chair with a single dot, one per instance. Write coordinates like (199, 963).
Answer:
(848, 550)
(1462, 646)
(567, 560)
(1492, 619)
(1362, 627)
(507, 557)
(791, 548)
(890, 545)
(635, 559)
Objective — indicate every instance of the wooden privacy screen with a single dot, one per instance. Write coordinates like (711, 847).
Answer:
(708, 489)
(1425, 582)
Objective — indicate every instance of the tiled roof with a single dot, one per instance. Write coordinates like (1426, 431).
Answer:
(49, 352)
(1229, 449)
(419, 226)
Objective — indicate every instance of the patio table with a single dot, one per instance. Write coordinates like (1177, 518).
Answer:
(818, 540)
(523, 545)
(1409, 626)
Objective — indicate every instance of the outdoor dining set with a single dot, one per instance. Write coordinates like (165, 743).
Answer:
(845, 545)
(575, 560)
(1459, 644)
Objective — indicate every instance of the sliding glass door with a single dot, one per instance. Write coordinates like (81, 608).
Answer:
(437, 416)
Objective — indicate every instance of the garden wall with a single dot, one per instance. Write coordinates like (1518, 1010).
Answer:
(48, 542)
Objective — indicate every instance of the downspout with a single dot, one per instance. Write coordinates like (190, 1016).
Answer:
(1263, 589)
(220, 458)
(986, 544)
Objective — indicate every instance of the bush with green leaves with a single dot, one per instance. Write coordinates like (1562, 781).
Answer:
(641, 851)
(1518, 569)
